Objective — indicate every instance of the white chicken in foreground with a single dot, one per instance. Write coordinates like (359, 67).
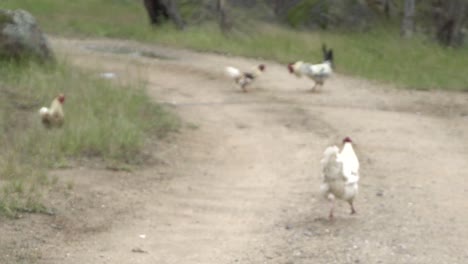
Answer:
(317, 72)
(53, 116)
(243, 79)
(340, 174)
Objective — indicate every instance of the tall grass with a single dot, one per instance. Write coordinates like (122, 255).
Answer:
(102, 120)
(379, 55)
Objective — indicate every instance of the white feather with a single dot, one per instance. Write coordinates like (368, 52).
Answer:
(233, 72)
(317, 72)
(43, 111)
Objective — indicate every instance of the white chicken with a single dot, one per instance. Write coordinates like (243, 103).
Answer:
(243, 79)
(53, 116)
(340, 174)
(317, 72)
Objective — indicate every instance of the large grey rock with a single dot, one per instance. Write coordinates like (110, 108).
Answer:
(20, 36)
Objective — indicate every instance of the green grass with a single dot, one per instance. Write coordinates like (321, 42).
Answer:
(102, 120)
(379, 55)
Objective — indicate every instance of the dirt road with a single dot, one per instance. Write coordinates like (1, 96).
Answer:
(240, 183)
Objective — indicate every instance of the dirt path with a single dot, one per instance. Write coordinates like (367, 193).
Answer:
(240, 184)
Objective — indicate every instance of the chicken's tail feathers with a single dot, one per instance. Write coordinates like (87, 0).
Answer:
(328, 153)
(232, 72)
(43, 111)
(327, 54)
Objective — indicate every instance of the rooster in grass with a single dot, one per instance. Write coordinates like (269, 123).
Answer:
(54, 115)
(317, 72)
(243, 79)
(340, 174)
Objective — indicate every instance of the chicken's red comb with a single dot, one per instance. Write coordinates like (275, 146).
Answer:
(61, 98)
(347, 140)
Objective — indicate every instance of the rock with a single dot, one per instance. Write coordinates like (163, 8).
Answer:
(108, 75)
(21, 36)
(139, 250)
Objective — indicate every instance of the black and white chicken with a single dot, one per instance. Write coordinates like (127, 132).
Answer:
(317, 72)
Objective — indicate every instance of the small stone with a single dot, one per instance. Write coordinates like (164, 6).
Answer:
(138, 250)
(108, 75)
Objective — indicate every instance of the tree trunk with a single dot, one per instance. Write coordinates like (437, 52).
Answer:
(381, 6)
(279, 7)
(407, 24)
(174, 14)
(224, 22)
(386, 8)
(449, 18)
(157, 11)
(161, 10)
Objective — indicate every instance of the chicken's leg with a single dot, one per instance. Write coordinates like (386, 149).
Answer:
(244, 88)
(330, 216)
(314, 87)
(319, 85)
(353, 211)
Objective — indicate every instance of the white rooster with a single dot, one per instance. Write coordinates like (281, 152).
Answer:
(317, 72)
(340, 174)
(243, 79)
(53, 116)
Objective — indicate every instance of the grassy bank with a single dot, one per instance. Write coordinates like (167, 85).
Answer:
(102, 121)
(379, 55)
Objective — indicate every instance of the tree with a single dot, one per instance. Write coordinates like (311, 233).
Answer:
(387, 5)
(161, 10)
(407, 24)
(279, 6)
(157, 12)
(224, 21)
(449, 18)
(382, 6)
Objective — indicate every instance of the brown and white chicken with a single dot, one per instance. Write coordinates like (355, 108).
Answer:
(54, 115)
(243, 79)
(340, 174)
